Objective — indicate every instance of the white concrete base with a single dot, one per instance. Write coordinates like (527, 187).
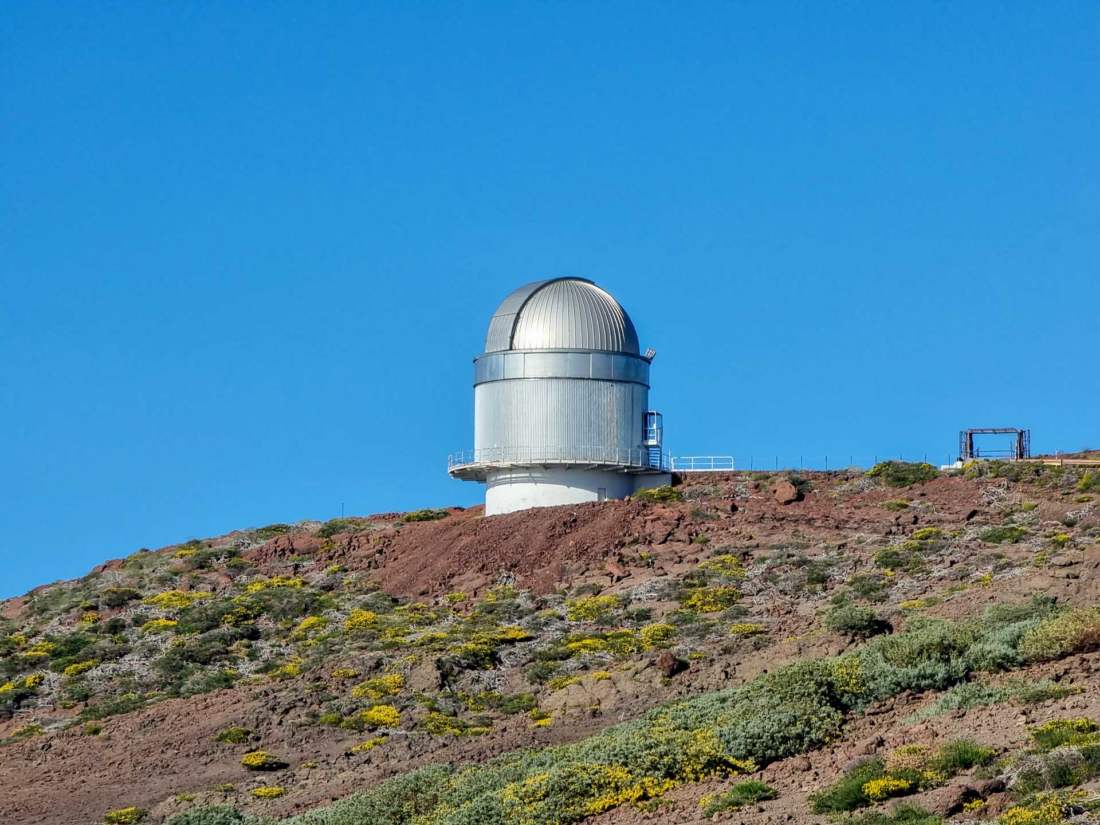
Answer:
(509, 490)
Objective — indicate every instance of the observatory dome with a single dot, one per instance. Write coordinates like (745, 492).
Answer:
(562, 313)
(561, 402)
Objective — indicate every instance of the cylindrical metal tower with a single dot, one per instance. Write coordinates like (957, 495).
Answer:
(561, 402)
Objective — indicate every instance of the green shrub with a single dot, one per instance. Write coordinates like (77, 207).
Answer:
(870, 586)
(1007, 534)
(896, 505)
(903, 473)
(271, 531)
(901, 815)
(977, 694)
(1089, 482)
(665, 493)
(118, 596)
(961, 755)
(425, 515)
(854, 620)
(1059, 732)
(907, 556)
(749, 792)
(394, 802)
(211, 815)
(847, 793)
(341, 525)
(233, 736)
(1075, 631)
(113, 706)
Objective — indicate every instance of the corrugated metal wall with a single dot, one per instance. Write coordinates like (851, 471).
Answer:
(559, 414)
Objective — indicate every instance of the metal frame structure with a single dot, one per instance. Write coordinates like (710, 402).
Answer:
(1020, 451)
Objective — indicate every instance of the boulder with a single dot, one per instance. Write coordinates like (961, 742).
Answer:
(669, 665)
(948, 800)
(786, 493)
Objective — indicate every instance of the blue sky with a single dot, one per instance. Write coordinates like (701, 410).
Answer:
(247, 251)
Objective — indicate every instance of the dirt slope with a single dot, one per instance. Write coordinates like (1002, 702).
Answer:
(66, 759)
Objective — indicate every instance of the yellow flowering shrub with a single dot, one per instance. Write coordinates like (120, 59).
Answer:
(588, 644)
(1058, 732)
(288, 670)
(244, 610)
(80, 667)
(30, 682)
(344, 673)
(368, 745)
(1046, 809)
(885, 787)
(89, 617)
(601, 675)
(268, 792)
(656, 635)
(158, 625)
(912, 757)
(746, 629)
(622, 788)
(309, 624)
(512, 633)
(359, 620)
(380, 716)
(261, 761)
(590, 608)
(562, 682)
(176, 599)
(847, 673)
(39, 650)
(726, 565)
(439, 724)
(124, 816)
(712, 599)
(274, 581)
(379, 687)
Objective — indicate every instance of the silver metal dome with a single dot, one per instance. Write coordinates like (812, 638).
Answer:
(563, 313)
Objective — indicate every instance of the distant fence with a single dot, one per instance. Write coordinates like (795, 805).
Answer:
(701, 463)
(788, 462)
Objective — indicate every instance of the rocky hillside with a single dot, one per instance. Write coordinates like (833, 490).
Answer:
(897, 646)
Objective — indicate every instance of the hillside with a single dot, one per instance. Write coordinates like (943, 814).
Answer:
(931, 638)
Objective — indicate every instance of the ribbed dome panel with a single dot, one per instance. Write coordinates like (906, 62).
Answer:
(566, 313)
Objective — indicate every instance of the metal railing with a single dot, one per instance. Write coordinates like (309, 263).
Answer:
(635, 458)
(701, 463)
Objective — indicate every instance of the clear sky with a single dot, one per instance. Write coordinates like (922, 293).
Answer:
(247, 251)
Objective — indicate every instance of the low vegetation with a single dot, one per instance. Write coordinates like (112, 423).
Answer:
(740, 794)
(734, 731)
(902, 473)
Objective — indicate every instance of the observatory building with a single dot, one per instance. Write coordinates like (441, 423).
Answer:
(561, 402)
